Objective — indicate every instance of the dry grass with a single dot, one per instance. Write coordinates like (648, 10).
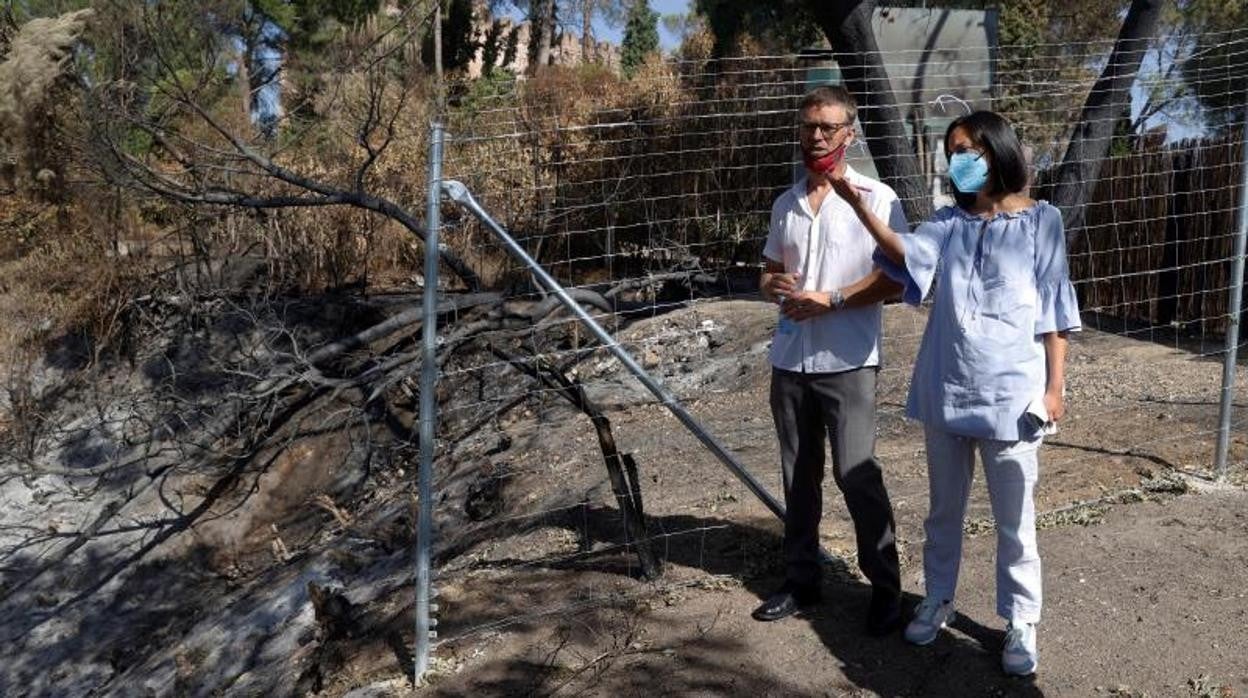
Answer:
(73, 267)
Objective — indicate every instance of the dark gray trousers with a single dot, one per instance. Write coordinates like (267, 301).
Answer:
(809, 409)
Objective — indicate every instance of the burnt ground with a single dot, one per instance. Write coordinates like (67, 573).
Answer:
(1145, 556)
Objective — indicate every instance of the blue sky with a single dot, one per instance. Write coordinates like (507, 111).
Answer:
(667, 40)
(615, 35)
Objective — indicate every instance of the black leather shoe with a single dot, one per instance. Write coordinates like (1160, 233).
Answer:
(785, 603)
(884, 615)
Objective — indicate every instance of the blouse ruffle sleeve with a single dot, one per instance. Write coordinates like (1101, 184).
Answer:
(1058, 309)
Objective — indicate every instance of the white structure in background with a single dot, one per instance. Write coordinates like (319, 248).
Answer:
(939, 63)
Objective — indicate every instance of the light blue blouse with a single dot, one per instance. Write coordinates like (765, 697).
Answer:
(1003, 283)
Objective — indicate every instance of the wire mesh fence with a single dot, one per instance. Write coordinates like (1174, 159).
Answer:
(649, 200)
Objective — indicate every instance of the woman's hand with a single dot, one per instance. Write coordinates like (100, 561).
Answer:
(1054, 404)
(1055, 382)
(844, 188)
(888, 240)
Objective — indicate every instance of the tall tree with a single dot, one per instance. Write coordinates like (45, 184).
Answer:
(492, 45)
(781, 27)
(1107, 103)
(450, 43)
(587, 28)
(542, 20)
(277, 38)
(195, 156)
(457, 33)
(641, 36)
(610, 11)
(307, 51)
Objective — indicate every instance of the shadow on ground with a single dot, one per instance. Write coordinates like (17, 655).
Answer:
(532, 597)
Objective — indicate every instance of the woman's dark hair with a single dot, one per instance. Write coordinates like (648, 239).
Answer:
(990, 131)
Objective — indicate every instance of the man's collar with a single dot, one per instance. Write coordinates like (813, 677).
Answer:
(800, 185)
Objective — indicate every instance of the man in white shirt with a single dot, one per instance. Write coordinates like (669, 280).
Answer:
(825, 358)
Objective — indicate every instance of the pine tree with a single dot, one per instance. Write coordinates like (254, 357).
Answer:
(641, 36)
(458, 46)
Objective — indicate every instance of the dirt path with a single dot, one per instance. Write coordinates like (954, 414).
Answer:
(1152, 601)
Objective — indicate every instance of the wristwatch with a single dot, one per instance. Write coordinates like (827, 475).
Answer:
(837, 298)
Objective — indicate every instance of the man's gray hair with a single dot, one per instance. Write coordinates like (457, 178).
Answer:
(831, 95)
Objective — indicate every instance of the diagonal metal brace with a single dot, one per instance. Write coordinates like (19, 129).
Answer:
(459, 193)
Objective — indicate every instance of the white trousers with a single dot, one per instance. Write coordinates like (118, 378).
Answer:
(1011, 468)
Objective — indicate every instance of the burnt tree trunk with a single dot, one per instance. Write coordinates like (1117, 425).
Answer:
(848, 27)
(621, 467)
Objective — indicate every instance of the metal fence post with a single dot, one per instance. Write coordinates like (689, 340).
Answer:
(1233, 308)
(428, 405)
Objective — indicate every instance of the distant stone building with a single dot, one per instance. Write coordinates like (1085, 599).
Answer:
(504, 43)
(568, 51)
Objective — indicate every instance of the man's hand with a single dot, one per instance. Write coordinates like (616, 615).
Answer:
(804, 305)
(780, 285)
(1054, 404)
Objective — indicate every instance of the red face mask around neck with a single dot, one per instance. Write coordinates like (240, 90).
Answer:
(825, 163)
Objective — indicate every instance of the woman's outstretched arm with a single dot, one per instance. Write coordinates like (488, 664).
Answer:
(887, 238)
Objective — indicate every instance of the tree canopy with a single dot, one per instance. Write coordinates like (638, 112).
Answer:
(1217, 72)
(641, 36)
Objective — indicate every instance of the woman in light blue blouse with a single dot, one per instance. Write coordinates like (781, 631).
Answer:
(989, 374)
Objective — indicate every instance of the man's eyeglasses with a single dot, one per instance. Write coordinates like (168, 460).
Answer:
(807, 129)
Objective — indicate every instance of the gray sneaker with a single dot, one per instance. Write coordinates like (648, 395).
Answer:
(929, 617)
(1019, 657)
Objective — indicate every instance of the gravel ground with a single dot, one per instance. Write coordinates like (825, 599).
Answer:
(1146, 558)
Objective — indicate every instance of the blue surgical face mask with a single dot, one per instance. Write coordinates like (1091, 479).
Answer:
(968, 171)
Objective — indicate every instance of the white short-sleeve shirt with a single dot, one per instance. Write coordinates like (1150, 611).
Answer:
(831, 249)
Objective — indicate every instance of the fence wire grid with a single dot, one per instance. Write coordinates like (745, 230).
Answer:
(649, 200)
